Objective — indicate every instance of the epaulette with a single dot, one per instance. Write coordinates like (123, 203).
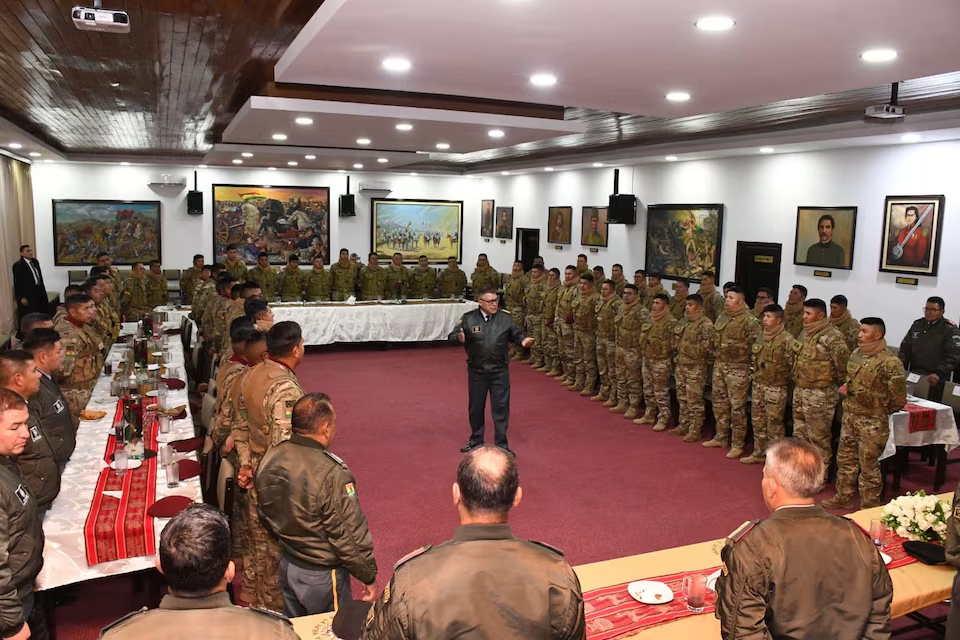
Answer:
(411, 556)
(548, 547)
(123, 619)
(737, 535)
(335, 457)
(273, 614)
(505, 311)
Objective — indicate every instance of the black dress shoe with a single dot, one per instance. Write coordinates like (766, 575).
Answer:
(507, 449)
(468, 447)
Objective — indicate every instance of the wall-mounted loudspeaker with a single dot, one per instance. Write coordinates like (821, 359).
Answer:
(622, 209)
(195, 203)
(348, 207)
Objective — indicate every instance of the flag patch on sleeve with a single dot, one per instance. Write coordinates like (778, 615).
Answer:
(351, 490)
(288, 409)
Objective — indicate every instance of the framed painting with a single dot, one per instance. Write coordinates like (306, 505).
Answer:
(912, 226)
(486, 218)
(504, 222)
(559, 225)
(683, 240)
(593, 227)
(279, 220)
(128, 230)
(417, 227)
(825, 237)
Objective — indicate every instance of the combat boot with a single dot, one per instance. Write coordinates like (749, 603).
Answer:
(734, 453)
(554, 373)
(691, 437)
(611, 402)
(525, 361)
(535, 365)
(648, 418)
(661, 425)
(600, 397)
(619, 408)
(837, 502)
(587, 392)
(577, 387)
(715, 444)
(630, 414)
(753, 459)
(677, 431)
(517, 356)
(543, 369)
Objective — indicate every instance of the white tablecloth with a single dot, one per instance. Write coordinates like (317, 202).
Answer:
(900, 436)
(64, 556)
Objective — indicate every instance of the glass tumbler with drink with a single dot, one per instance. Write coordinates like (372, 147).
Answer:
(173, 474)
(878, 532)
(695, 591)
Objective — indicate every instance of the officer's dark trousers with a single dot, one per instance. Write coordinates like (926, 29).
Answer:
(497, 384)
(953, 618)
(311, 590)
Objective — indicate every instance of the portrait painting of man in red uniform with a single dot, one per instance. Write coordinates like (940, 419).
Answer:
(911, 241)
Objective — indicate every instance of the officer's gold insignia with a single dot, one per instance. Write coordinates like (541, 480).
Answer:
(475, 329)
(956, 513)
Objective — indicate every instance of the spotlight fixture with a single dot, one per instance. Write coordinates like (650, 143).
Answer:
(15, 145)
(548, 168)
(671, 158)
(237, 161)
(715, 23)
(597, 164)
(363, 141)
(543, 79)
(341, 170)
(34, 154)
(397, 65)
(766, 149)
(292, 163)
(127, 164)
(358, 166)
(414, 173)
(247, 154)
(678, 96)
(271, 168)
(302, 121)
(504, 173)
(495, 133)
(114, 84)
(201, 166)
(382, 160)
(443, 146)
(879, 55)
(403, 126)
(310, 157)
(280, 136)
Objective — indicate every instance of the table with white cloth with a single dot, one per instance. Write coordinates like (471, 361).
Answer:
(64, 555)
(945, 434)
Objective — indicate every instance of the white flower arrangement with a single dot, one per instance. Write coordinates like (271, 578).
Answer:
(917, 516)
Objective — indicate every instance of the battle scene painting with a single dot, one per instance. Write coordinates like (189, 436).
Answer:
(128, 231)
(683, 240)
(417, 227)
(279, 220)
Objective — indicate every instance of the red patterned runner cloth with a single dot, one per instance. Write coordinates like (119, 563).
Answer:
(921, 418)
(893, 547)
(612, 613)
(118, 528)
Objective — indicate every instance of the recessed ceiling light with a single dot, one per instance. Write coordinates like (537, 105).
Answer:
(310, 157)
(403, 126)
(271, 168)
(495, 133)
(907, 137)
(363, 140)
(358, 166)
(280, 136)
(382, 160)
(15, 145)
(304, 121)
(678, 96)
(237, 161)
(34, 154)
(879, 55)
(48, 160)
(341, 170)
(598, 164)
(292, 163)
(715, 23)
(201, 166)
(396, 64)
(548, 168)
(247, 154)
(543, 79)
(127, 164)
(443, 146)
(413, 173)
(504, 173)
(766, 149)
(114, 84)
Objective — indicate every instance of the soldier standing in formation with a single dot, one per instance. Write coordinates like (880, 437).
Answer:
(793, 310)
(233, 264)
(608, 307)
(598, 277)
(533, 310)
(372, 279)
(423, 279)
(619, 281)
(696, 351)
(654, 288)
(640, 281)
(452, 281)
(713, 301)
(189, 278)
(133, 301)
(678, 304)
(317, 282)
(582, 266)
(876, 387)
(264, 275)
(397, 284)
(772, 359)
(550, 346)
(104, 261)
(205, 288)
(846, 324)
(156, 285)
(216, 307)
(83, 353)
(658, 339)
(47, 351)
(290, 281)
(514, 296)
(630, 317)
(343, 277)
(764, 299)
(564, 323)
(484, 276)
(585, 336)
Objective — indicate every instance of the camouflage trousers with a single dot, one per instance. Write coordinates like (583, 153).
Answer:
(567, 351)
(607, 366)
(534, 324)
(691, 379)
(77, 400)
(239, 531)
(516, 314)
(585, 358)
(731, 381)
(629, 377)
(769, 407)
(656, 389)
(813, 411)
(261, 565)
(550, 345)
(862, 439)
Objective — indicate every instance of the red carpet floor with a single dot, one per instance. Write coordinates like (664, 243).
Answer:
(595, 485)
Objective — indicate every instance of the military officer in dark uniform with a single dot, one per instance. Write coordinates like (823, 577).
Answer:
(484, 583)
(54, 411)
(194, 556)
(486, 334)
(931, 347)
(801, 573)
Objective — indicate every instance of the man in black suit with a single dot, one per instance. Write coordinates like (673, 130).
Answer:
(486, 335)
(28, 284)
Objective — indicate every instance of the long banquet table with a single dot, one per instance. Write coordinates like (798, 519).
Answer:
(64, 557)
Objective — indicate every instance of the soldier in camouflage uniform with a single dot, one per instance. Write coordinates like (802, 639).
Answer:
(598, 277)
(452, 281)
(533, 306)
(233, 264)
(264, 275)
(713, 301)
(845, 324)
(423, 279)
(658, 341)
(82, 353)
(696, 350)
(372, 279)
(736, 334)
(640, 281)
(397, 283)
(104, 261)
(654, 288)
(608, 308)
(484, 277)
(317, 281)
(157, 294)
(773, 360)
(549, 331)
(217, 307)
(582, 266)
(630, 317)
(678, 303)
(514, 294)
(290, 282)
(876, 387)
(793, 311)
(585, 336)
(267, 394)
(133, 301)
(564, 322)
(618, 279)
(111, 312)
(343, 277)
(189, 278)
(764, 299)
(206, 290)
(101, 324)
(820, 367)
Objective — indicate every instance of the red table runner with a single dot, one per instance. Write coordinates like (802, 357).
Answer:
(118, 528)
(612, 613)
(921, 418)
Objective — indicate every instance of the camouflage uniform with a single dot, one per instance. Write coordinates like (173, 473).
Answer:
(103, 324)
(267, 395)
(224, 418)
(565, 330)
(850, 328)
(585, 342)
(422, 282)
(514, 294)
(237, 268)
(266, 279)
(607, 311)
(619, 286)
(678, 307)
(317, 285)
(876, 387)
(549, 331)
(533, 305)
(696, 350)
(397, 284)
(212, 308)
(731, 377)
(371, 283)
(82, 359)
(650, 294)
(773, 361)
(134, 299)
(231, 311)
(291, 285)
(452, 283)
(657, 344)
(793, 320)
(713, 303)
(629, 363)
(484, 279)
(117, 286)
(343, 280)
(820, 367)
(201, 295)
(188, 282)
(157, 294)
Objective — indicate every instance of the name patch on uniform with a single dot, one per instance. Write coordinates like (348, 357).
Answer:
(35, 434)
(59, 406)
(22, 494)
(351, 489)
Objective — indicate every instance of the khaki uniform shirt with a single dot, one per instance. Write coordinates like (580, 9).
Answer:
(585, 312)
(735, 338)
(223, 416)
(156, 290)
(372, 283)
(397, 283)
(317, 285)
(713, 305)
(514, 294)
(206, 291)
(821, 359)
(697, 341)
(850, 328)
(231, 311)
(649, 294)
(619, 286)
(343, 279)
(629, 321)
(188, 282)
(658, 340)
(533, 299)
(678, 307)
(134, 298)
(237, 268)
(452, 283)
(486, 279)
(876, 385)
(607, 311)
(291, 284)
(551, 297)
(422, 282)
(266, 279)
(773, 360)
(565, 301)
(268, 393)
(212, 309)
(82, 356)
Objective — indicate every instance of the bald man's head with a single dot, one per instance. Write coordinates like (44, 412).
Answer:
(489, 480)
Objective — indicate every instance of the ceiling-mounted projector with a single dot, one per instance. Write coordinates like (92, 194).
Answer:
(98, 19)
(885, 111)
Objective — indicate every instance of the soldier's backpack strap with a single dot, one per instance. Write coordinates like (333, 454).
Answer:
(272, 614)
(116, 623)
(548, 547)
(411, 556)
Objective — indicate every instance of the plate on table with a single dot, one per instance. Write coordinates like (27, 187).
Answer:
(131, 464)
(650, 592)
(152, 394)
(886, 559)
(712, 580)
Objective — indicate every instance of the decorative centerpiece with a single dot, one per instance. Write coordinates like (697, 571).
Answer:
(917, 516)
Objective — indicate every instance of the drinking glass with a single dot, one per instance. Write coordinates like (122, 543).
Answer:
(164, 423)
(173, 371)
(120, 459)
(162, 391)
(166, 355)
(695, 591)
(878, 532)
(173, 474)
(166, 455)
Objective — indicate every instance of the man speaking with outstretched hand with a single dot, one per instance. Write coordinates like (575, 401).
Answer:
(486, 334)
